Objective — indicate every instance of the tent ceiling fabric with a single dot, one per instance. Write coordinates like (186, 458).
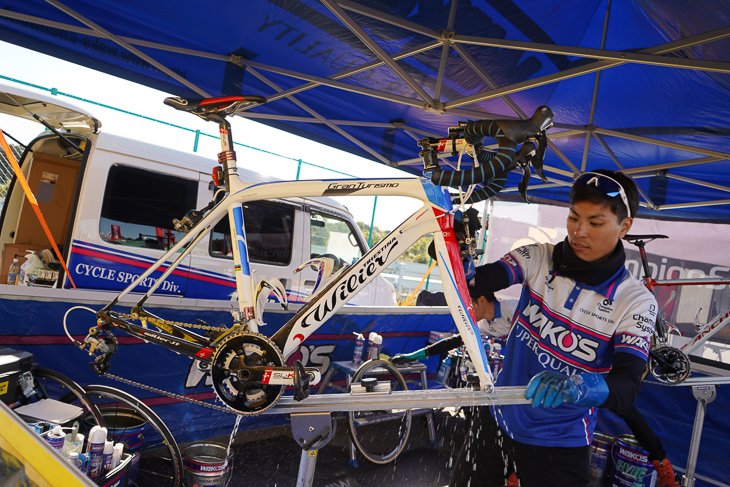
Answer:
(637, 85)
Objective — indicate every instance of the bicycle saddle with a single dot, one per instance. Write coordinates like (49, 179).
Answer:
(203, 107)
(635, 238)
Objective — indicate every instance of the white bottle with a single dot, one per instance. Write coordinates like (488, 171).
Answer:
(13, 272)
(376, 347)
(73, 459)
(32, 263)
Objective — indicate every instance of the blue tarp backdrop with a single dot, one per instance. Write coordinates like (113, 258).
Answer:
(634, 84)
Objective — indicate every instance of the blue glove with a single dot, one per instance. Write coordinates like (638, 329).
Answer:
(469, 268)
(553, 388)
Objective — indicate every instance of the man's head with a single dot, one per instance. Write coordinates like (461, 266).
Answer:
(602, 206)
(483, 304)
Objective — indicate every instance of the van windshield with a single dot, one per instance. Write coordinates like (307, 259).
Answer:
(333, 236)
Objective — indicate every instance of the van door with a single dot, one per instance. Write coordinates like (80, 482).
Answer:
(53, 177)
(273, 233)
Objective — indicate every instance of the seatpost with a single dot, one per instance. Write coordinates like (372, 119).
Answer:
(651, 284)
(227, 156)
(644, 262)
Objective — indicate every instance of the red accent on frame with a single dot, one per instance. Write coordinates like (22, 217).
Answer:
(206, 353)
(447, 229)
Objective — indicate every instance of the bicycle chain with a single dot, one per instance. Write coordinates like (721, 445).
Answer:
(156, 390)
(157, 322)
(173, 395)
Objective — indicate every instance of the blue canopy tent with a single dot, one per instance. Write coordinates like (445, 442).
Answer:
(637, 85)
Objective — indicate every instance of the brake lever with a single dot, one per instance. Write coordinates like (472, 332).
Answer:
(539, 156)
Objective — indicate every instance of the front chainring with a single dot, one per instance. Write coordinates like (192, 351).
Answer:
(230, 383)
(669, 365)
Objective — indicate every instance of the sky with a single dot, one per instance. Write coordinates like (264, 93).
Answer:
(38, 69)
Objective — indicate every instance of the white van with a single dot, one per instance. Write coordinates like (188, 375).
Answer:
(110, 208)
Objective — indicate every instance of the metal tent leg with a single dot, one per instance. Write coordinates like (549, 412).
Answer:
(704, 394)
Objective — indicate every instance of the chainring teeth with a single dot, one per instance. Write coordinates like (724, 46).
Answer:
(676, 357)
(252, 349)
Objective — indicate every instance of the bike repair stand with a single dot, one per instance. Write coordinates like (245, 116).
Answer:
(313, 426)
(703, 389)
(312, 431)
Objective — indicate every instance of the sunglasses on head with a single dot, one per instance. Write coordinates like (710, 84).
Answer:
(608, 186)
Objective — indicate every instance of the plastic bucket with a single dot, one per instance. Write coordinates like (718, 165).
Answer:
(207, 465)
(124, 425)
(631, 465)
(600, 460)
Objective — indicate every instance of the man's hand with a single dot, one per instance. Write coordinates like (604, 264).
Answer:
(551, 388)
(409, 357)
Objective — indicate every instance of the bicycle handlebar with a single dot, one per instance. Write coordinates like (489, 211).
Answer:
(493, 166)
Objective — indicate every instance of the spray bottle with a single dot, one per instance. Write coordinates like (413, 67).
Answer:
(359, 347)
(55, 437)
(375, 346)
(444, 370)
(97, 439)
(13, 272)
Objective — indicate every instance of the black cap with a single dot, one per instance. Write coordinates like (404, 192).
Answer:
(477, 291)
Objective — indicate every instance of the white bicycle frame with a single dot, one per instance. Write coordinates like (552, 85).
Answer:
(435, 216)
(711, 328)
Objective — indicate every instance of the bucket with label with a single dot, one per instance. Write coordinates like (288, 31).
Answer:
(600, 460)
(631, 465)
(207, 465)
(125, 426)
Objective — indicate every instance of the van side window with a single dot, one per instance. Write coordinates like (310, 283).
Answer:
(333, 236)
(139, 206)
(269, 232)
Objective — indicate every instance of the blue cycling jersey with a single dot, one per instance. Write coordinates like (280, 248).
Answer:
(572, 328)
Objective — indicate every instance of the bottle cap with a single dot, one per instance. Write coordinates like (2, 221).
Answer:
(372, 335)
(73, 455)
(57, 430)
(378, 339)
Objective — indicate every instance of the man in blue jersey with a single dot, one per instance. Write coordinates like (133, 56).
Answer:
(579, 341)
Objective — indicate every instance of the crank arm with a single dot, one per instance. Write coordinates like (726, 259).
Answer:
(274, 375)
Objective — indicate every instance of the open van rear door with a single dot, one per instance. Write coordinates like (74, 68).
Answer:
(52, 166)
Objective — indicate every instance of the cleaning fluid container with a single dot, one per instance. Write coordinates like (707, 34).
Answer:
(631, 465)
(31, 265)
(359, 347)
(13, 272)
